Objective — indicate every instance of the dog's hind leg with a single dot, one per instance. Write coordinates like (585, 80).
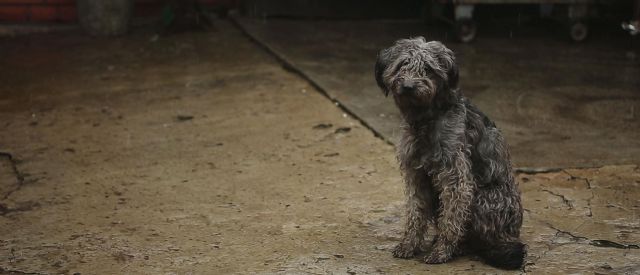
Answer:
(497, 218)
(419, 212)
(456, 194)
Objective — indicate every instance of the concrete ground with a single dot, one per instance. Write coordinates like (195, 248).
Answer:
(198, 153)
(558, 104)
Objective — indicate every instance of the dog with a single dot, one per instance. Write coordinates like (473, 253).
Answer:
(455, 162)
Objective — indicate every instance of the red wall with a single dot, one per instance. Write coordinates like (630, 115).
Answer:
(37, 10)
(20, 11)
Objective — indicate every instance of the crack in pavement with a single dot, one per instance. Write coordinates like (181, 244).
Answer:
(563, 237)
(607, 243)
(4, 209)
(572, 239)
(15, 271)
(593, 195)
(572, 177)
(576, 239)
(598, 243)
(588, 184)
(16, 172)
(566, 201)
(536, 170)
(586, 180)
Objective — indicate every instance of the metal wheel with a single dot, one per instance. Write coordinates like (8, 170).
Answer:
(578, 31)
(465, 30)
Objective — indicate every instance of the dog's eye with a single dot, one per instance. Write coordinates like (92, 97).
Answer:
(396, 83)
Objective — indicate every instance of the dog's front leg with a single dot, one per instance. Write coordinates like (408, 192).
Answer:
(419, 212)
(456, 194)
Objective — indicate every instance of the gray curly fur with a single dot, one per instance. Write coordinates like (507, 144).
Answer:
(454, 160)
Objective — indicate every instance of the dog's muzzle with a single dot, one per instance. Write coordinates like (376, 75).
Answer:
(406, 87)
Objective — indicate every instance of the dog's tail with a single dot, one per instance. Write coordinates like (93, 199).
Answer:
(505, 255)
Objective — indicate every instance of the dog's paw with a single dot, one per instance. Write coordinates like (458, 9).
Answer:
(461, 251)
(403, 251)
(437, 257)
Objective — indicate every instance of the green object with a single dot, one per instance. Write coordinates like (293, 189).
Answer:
(168, 16)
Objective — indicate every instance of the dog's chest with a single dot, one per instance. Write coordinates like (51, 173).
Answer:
(417, 151)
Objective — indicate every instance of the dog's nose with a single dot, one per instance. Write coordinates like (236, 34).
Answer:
(407, 86)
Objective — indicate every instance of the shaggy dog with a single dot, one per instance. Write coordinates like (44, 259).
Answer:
(454, 160)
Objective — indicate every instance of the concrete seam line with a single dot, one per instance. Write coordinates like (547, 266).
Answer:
(288, 66)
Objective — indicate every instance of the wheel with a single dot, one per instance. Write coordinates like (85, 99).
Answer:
(578, 31)
(432, 12)
(465, 30)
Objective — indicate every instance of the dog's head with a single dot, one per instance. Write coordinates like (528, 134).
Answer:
(417, 72)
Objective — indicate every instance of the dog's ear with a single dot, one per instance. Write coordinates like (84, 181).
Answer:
(453, 76)
(448, 68)
(381, 65)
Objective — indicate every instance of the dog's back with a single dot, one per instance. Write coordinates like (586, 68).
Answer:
(496, 208)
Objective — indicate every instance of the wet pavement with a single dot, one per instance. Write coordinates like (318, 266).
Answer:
(559, 104)
(198, 153)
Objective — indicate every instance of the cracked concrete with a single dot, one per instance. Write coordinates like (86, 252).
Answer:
(564, 199)
(592, 222)
(10, 174)
(198, 153)
(12, 181)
